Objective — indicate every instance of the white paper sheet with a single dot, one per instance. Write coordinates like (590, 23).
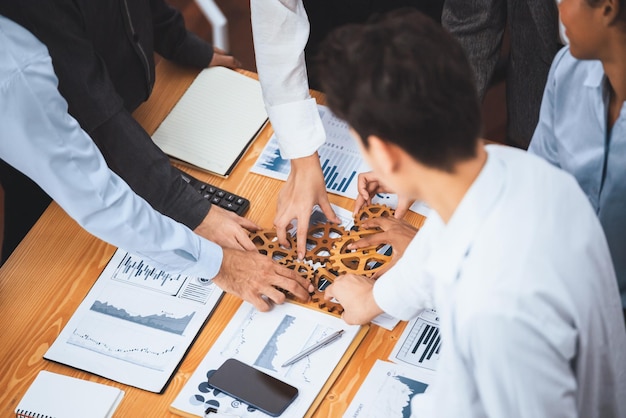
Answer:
(420, 343)
(340, 158)
(387, 391)
(136, 323)
(265, 340)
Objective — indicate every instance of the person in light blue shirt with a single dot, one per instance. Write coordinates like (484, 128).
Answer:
(39, 138)
(582, 122)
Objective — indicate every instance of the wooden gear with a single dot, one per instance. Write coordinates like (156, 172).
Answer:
(327, 255)
(325, 276)
(364, 261)
(372, 211)
(266, 243)
(321, 239)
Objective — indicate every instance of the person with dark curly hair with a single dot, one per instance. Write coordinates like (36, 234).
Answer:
(512, 255)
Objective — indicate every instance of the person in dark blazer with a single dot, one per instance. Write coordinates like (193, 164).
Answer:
(533, 30)
(103, 54)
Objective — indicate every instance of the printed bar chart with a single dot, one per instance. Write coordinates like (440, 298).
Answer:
(340, 158)
(420, 342)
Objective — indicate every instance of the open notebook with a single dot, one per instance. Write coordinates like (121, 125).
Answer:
(214, 122)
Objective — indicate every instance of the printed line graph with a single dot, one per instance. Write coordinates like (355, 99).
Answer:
(141, 349)
(162, 321)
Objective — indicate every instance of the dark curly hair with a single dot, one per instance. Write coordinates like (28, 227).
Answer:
(406, 80)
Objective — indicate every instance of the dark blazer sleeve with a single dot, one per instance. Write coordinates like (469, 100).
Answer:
(173, 41)
(131, 153)
(93, 101)
(479, 26)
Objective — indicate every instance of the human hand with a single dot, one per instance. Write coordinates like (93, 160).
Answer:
(368, 185)
(395, 232)
(223, 59)
(304, 188)
(355, 294)
(227, 229)
(251, 275)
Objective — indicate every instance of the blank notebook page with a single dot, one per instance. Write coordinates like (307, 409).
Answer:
(59, 396)
(214, 121)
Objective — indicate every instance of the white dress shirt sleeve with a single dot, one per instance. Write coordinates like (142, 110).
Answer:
(280, 31)
(407, 289)
(43, 141)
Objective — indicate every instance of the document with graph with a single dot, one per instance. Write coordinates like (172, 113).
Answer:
(339, 156)
(340, 159)
(388, 391)
(420, 343)
(136, 323)
(266, 340)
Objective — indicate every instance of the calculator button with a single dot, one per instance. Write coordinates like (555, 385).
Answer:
(218, 196)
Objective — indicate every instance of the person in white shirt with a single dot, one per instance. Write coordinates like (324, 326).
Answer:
(512, 256)
(280, 31)
(42, 140)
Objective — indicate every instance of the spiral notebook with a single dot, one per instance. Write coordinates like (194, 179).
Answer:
(53, 395)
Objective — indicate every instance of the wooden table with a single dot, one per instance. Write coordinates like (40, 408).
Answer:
(52, 270)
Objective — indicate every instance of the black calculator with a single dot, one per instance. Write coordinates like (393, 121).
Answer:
(217, 196)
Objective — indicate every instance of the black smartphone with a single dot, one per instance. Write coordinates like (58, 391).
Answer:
(253, 387)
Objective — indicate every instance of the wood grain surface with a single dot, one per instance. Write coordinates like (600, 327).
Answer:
(52, 270)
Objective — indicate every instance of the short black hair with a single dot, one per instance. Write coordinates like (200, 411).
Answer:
(406, 80)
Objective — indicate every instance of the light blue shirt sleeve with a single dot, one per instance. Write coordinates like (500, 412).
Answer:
(543, 142)
(43, 141)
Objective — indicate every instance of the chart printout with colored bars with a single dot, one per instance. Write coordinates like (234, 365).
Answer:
(136, 323)
(340, 159)
(266, 340)
(420, 343)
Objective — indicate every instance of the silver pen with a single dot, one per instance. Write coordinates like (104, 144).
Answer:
(332, 337)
